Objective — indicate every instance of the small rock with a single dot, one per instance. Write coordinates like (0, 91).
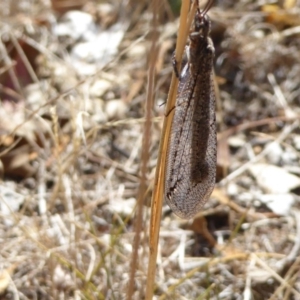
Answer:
(274, 179)
(246, 197)
(35, 95)
(63, 77)
(296, 141)
(97, 111)
(102, 48)
(289, 156)
(138, 50)
(280, 204)
(116, 109)
(274, 153)
(76, 24)
(99, 88)
(236, 141)
(11, 202)
(232, 189)
(124, 207)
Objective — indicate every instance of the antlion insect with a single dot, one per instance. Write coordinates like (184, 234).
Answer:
(192, 147)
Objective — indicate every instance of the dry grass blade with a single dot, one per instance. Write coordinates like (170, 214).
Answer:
(158, 188)
(145, 146)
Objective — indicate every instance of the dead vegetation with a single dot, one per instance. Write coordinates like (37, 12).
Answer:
(73, 89)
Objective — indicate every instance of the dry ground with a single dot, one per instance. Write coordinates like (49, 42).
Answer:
(72, 114)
